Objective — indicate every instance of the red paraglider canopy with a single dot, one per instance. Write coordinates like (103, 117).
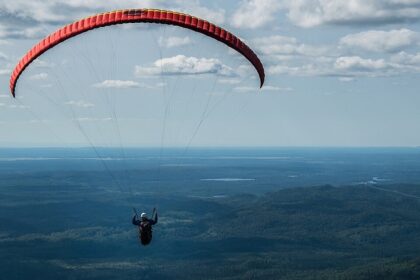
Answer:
(131, 16)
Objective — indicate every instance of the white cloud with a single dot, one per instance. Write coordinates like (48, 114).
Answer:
(255, 13)
(406, 59)
(355, 66)
(183, 65)
(26, 32)
(312, 66)
(38, 77)
(310, 13)
(171, 42)
(345, 68)
(382, 41)
(357, 63)
(278, 45)
(80, 103)
(117, 84)
(282, 69)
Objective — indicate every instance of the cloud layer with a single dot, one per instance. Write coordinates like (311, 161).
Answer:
(371, 53)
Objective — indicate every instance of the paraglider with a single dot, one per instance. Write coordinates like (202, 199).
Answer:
(145, 226)
(136, 16)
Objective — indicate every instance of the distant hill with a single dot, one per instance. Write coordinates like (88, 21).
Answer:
(318, 233)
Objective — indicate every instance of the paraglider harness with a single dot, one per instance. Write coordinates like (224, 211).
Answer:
(145, 227)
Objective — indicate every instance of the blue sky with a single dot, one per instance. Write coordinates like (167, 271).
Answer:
(339, 73)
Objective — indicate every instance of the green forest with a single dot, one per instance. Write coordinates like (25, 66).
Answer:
(325, 232)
